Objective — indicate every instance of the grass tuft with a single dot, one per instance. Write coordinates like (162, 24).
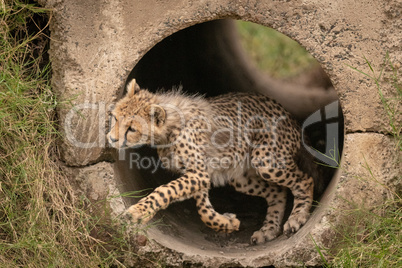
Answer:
(370, 238)
(42, 222)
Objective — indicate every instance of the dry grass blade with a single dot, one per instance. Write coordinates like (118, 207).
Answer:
(42, 222)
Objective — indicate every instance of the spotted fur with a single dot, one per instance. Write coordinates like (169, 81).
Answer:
(245, 140)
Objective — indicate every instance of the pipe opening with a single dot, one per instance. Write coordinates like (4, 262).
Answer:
(209, 59)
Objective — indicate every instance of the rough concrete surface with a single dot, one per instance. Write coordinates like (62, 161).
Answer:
(97, 183)
(95, 45)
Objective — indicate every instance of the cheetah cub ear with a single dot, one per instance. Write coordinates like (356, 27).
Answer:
(132, 88)
(158, 114)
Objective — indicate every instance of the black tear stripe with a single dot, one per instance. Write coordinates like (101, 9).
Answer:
(125, 139)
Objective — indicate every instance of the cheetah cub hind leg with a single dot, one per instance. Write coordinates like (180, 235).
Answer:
(250, 183)
(271, 228)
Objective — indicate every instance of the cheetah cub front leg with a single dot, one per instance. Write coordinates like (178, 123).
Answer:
(226, 223)
(183, 188)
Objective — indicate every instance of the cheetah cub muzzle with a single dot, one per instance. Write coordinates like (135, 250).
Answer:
(245, 140)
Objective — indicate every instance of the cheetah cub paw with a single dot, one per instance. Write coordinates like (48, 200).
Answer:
(137, 214)
(261, 236)
(294, 223)
(233, 224)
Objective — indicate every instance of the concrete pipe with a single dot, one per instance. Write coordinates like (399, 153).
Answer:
(97, 46)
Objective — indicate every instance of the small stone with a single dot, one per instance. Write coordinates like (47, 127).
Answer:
(141, 240)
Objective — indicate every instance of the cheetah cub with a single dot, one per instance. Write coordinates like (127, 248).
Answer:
(245, 140)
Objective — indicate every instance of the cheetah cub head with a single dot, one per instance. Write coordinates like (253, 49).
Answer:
(137, 119)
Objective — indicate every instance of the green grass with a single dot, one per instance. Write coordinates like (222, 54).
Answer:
(274, 53)
(372, 237)
(369, 236)
(42, 222)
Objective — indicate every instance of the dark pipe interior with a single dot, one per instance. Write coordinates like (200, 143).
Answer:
(203, 59)
(200, 58)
